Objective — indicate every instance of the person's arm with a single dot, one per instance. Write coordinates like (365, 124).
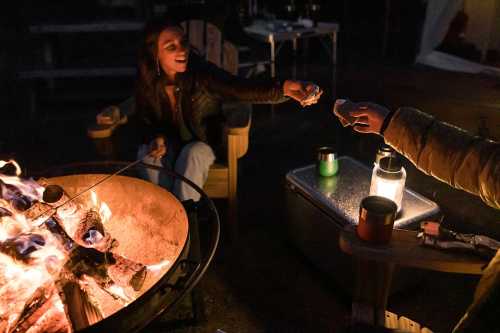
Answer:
(447, 152)
(450, 154)
(228, 87)
(148, 130)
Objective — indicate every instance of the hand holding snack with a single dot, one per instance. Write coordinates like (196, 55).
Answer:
(158, 147)
(365, 117)
(306, 93)
(342, 109)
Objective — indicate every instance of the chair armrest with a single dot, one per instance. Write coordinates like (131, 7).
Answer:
(405, 250)
(127, 107)
(237, 129)
(238, 122)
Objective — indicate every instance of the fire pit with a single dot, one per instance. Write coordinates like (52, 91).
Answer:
(111, 258)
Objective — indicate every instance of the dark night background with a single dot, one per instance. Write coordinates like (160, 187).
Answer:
(263, 283)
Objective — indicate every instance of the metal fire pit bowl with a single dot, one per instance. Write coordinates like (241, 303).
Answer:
(151, 226)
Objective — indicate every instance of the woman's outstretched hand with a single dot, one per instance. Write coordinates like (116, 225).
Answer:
(158, 147)
(306, 93)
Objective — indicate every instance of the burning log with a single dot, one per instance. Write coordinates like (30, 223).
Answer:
(39, 212)
(79, 307)
(55, 228)
(104, 267)
(107, 268)
(90, 233)
(35, 308)
(53, 321)
(79, 310)
(85, 228)
(127, 272)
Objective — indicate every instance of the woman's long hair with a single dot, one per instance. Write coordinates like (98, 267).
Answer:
(150, 97)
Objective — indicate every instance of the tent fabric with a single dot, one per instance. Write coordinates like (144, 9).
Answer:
(439, 14)
(456, 64)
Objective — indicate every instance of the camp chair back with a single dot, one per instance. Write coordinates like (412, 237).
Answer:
(222, 181)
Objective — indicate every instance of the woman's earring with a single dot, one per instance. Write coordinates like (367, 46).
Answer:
(157, 67)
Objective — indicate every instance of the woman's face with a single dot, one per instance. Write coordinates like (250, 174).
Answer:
(173, 51)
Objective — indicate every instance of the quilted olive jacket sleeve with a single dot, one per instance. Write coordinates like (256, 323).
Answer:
(448, 153)
(231, 88)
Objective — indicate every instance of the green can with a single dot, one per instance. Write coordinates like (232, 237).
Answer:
(327, 163)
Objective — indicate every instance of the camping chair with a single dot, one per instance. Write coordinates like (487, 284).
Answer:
(370, 295)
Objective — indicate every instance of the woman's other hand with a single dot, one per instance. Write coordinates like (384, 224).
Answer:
(158, 147)
(368, 117)
(306, 93)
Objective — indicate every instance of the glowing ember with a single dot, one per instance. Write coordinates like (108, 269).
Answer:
(120, 293)
(159, 267)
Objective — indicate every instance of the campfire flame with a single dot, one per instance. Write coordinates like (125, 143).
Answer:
(36, 247)
(30, 256)
(103, 209)
(18, 168)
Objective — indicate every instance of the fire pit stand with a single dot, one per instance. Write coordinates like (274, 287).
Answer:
(183, 275)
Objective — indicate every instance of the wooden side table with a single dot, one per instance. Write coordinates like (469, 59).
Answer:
(374, 266)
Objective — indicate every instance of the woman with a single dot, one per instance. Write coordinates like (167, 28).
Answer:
(178, 100)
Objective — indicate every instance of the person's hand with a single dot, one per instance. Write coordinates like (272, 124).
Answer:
(306, 93)
(368, 117)
(158, 147)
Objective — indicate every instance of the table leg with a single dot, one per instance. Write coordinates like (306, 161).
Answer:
(334, 47)
(48, 58)
(372, 284)
(272, 43)
(334, 81)
(32, 101)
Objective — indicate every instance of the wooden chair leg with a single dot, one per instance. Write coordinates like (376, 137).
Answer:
(232, 200)
(232, 212)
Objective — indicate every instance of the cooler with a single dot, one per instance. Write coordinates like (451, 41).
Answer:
(318, 208)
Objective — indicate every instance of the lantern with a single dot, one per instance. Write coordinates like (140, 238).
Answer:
(388, 180)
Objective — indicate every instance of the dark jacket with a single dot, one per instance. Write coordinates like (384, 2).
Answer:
(200, 91)
(465, 162)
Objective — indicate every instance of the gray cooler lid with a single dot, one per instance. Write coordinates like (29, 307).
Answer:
(343, 192)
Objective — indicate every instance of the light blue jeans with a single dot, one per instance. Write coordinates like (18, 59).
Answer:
(193, 162)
